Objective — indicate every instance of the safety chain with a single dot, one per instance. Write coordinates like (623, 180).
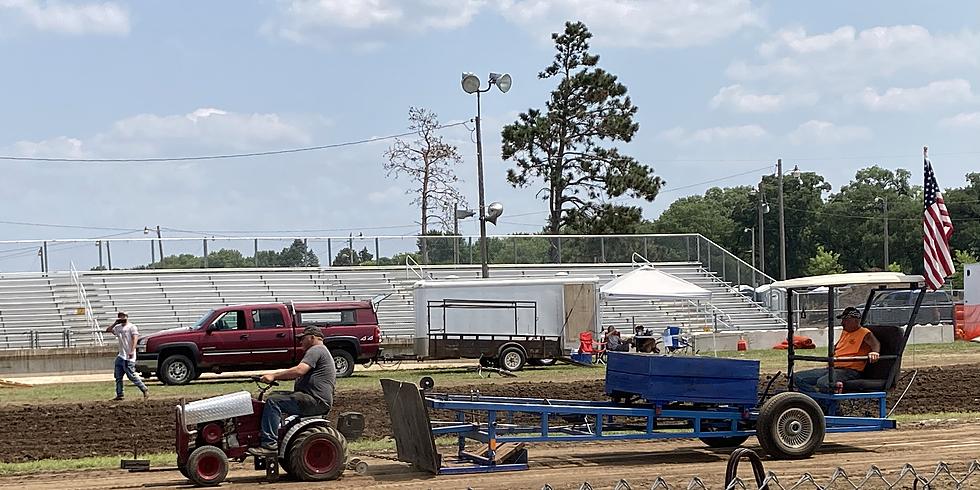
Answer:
(908, 477)
(375, 456)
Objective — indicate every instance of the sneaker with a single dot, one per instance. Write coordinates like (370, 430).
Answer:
(146, 395)
(118, 398)
(264, 451)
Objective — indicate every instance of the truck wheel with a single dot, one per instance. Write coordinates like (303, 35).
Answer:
(318, 455)
(176, 370)
(791, 426)
(344, 362)
(512, 359)
(207, 466)
(541, 362)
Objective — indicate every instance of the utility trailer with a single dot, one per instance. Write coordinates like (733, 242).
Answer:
(656, 397)
(504, 323)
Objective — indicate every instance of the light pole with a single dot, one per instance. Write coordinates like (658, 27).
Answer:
(763, 209)
(782, 217)
(471, 85)
(146, 231)
(884, 205)
(751, 232)
(458, 214)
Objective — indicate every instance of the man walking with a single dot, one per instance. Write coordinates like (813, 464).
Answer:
(127, 335)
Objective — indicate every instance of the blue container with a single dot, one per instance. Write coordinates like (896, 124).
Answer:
(582, 358)
(665, 379)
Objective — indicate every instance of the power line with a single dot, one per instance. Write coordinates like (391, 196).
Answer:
(79, 227)
(792, 158)
(221, 156)
(716, 180)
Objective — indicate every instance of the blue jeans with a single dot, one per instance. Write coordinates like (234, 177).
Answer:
(129, 369)
(288, 403)
(815, 380)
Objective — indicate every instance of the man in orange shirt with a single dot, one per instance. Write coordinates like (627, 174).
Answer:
(855, 341)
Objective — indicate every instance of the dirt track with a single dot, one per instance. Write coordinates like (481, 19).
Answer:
(567, 466)
(91, 429)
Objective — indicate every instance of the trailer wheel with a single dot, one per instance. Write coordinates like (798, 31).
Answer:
(318, 455)
(512, 359)
(723, 442)
(791, 426)
(207, 466)
(541, 362)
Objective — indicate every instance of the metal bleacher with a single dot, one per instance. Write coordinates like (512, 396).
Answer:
(45, 309)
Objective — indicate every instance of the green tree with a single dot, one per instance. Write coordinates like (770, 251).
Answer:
(345, 257)
(960, 258)
(824, 262)
(604, 219)
(964, 208)
(297, 255)
(567, 145)
(182, 261)
(228, 258)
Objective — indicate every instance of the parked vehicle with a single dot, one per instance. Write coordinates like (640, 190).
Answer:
(260, 336)
(894, 307)
(505, 323)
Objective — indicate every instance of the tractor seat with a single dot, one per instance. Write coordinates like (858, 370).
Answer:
(881, 375)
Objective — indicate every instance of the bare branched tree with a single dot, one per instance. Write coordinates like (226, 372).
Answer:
(430, 163)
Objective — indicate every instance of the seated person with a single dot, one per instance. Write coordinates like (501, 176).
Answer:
(316, 377)
(643, 341)
(855, 341)
(614, 341)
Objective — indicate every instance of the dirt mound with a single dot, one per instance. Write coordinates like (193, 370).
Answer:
(92, 429)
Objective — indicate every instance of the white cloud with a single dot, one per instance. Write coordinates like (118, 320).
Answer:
(965, 120)
(718, 134)
(849, 56)
(68, 18)
(385, 195)
(910, 99)
(823, 132)
(362, 22)
(735, 98)
(205, 129)
(638, 23)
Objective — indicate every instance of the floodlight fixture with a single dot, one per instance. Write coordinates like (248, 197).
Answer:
(470, 82)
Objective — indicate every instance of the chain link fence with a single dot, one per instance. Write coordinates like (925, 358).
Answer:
(942, 477)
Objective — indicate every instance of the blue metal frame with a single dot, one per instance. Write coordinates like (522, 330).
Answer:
(596, 420)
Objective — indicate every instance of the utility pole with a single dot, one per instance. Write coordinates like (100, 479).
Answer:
(782, 227)
(160, 242)
(762, 233)
(884, 205)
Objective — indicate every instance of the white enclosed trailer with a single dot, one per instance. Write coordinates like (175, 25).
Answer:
(504, 321)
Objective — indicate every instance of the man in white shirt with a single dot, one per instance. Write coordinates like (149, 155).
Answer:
(127, 335)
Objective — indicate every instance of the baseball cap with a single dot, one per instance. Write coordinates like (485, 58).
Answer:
(850, 312)
(314, 331)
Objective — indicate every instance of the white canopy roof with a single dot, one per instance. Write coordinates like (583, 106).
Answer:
(649, 283)
(852, 278)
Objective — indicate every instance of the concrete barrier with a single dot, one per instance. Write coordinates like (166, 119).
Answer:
(766, 339)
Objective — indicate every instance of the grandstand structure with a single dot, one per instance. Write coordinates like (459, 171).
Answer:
(69, 309)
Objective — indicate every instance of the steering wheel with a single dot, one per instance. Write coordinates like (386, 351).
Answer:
(263, 387)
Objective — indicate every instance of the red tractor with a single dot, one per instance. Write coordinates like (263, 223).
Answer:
(212, 431)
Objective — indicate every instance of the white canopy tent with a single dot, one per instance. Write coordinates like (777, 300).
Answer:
(649, 283)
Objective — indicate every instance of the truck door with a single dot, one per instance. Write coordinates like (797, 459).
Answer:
(226, 339)
(270, 338)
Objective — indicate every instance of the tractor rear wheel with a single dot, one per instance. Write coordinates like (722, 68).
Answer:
(318, 455)
(791, 426)
(207, 466)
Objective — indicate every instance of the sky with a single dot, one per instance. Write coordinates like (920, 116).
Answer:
(724, 88)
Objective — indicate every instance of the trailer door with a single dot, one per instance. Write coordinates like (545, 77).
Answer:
(580, 311)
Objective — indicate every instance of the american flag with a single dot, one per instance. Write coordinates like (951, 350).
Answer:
(937, 227)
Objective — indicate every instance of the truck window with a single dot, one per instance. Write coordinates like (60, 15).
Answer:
(267, 318)
(327, 318)
(230, 320)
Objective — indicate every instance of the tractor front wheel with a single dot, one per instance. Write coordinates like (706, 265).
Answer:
(318, 455)
(207, 466)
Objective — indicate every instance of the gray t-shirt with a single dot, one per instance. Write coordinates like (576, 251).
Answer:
(320, 380)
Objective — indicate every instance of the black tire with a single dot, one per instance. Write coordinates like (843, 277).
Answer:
(318, 454)
(183, 470)
(512, 359)
(344, 362)
(791, 426)
(547, 361)
(723, 442)
(207, 466)
(176, 369)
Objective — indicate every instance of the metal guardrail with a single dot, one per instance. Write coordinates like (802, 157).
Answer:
(875, 478)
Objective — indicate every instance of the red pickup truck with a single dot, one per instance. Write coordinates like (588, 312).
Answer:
(259, 337)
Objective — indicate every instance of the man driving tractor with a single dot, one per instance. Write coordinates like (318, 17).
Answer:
(316, 377)
(855, 341)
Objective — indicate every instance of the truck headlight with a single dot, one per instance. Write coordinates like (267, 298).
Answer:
(141, 346)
